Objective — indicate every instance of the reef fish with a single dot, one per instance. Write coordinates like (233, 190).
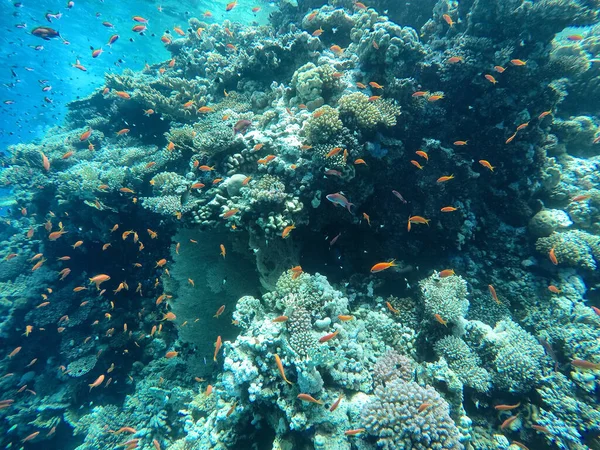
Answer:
(241, 126)
(280, 368)
(308, 398)
(45, 33)
(340, 199)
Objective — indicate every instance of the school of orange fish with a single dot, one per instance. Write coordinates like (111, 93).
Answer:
(56, 231)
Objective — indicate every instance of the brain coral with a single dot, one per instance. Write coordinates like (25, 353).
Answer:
(464, 363)
(573, 248)
(368, 114)
(445, 296)
(393, 416)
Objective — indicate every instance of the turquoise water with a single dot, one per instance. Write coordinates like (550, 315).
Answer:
(298, 225)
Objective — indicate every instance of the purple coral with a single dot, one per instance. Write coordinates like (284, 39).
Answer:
(390, 366)
(405, 415)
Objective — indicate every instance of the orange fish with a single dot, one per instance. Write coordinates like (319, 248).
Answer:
(97, 383)
(335, 404)
(499, 69)
(197, 186)
(490, 78)
(435, 98)
(448, 209)
(372, 98)
(85, 135)
(246, 181)
(171, 354)
(486, 164)
(329, 336)
(345, 318)
(354, 432)
(493, 293)
(67, 155)
(318, 32)
(45, 162)
(552, 256)
(416, 164)
(217, 348)
(440, 320)
(231, 5)
(367, 218)
(169, 316)
(422, 154)
(77, 244)
(391, 308)
(383, 266)
(123, 131)
(518, 62)
(423, 407)
(219, 311)
(544, 114)
(448, 20)
(460, 142)
(506, 407)
(123, 94)
(205, 168)
(336, 49)
(554, 289)
(420, 94)
(446, 273)
(454, 59)
(508, 421)
(287, 230)
(523, 125)
(583, 364)
(419, 220)
(30, 437)
(579, 198)
(509, 140)
(230, 213)
(280, 319)
(14, 352)
(445, 178)
(308, 398)
(280, 368)
(375, 85)
(223, 251)
(334, 151)
(360, 161)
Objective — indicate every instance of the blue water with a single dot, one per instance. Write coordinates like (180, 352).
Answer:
(31, 115)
